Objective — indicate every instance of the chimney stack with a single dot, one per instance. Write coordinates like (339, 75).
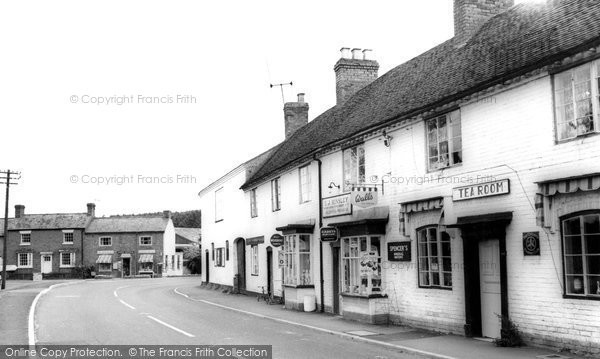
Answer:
(91, 209)
(469, 15)
(167, 214)
(295, 115)
(19, 210)
(352, 74)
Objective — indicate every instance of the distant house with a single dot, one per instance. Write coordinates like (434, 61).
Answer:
(124, 246)
(50, 244)
(186, 238)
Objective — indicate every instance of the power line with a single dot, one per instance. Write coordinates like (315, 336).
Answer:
(8, 178)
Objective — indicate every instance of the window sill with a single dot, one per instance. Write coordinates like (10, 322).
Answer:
(30, 267)
(25, 244)
(366, 296)
(68, 243)
(435, 287)
(580, 137)
(458, 165)
(299, 286)
(218, 220)
(581, 297)
(66, 267)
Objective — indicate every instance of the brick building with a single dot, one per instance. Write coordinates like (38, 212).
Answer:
(123, 246)
(50, 244)
(463, 184)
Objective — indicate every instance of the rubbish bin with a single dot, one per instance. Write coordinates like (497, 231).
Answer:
(310, 303)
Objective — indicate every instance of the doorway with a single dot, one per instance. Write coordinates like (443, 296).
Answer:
(240, 250)
(335, 254)
(486, 280)
(270, 270)
(46, 263)
(207, 266)
(126, 265)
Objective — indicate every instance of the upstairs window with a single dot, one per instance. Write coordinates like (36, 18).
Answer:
(354, 167)
(305, 190)
(67, 237)
(581, 251)
(576, 101)
(145, 241)
(105, 241)
(25, 238)
(219, 205)
(276, 194)
(444, 142)
(253, 208)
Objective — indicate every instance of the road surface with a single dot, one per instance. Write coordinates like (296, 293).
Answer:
(150, 312)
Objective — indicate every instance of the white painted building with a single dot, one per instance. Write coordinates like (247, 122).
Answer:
(477, 171)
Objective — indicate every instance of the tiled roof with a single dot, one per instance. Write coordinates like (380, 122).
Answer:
(128, 224)
(525, 37)
(187, 235)
(48, 221)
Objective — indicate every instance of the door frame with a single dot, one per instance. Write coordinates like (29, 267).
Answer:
(270, 286)
(473, 229)
(335, 257)
(241, 262)
(207, 265)
(42, 262)
(123, 266)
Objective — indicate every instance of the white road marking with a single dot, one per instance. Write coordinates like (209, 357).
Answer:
(126, 304)
(31, 318)
(402, 348)
(171, 327)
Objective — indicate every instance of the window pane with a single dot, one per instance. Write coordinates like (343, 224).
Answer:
(447, 265)
(593, 263)
(424, 278)
(592, 244)
(573, 245)
(594, 285)
(574, 265)
(448, 279)
(591, 224)
(575, 285)
(572, 226)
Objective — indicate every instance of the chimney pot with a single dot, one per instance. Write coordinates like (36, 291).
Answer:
(19, 210)
(351, 75)
(356, 53)
(91, 209)
(295, 115)
(367, 54)
(167, 214)
(345, 52)
(301, 97)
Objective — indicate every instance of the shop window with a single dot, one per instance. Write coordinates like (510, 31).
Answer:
(67, 260)
(146, 267)
(254, 259)
(220, 259)
(276, 194)
(354, 166)
(576, 100)
(219, 203)
(24, 260)
(296, 250)
(444, 142)
(361, 265)
(253, 207)
(104, 267)
(435, 260)
(581, 251)
(305, 190)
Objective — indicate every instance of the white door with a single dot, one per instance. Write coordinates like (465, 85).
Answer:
(46, 263)
(489, 281)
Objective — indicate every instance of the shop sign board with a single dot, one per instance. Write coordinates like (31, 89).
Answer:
(480, 190)
(277, 240)
(337, 206)
(329, 234)
(364, 197)
(399, 251)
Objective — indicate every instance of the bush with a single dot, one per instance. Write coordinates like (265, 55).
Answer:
(509, 335)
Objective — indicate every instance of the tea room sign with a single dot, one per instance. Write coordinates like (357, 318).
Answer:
(480, 190)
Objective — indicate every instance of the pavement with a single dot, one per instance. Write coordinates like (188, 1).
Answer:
(15, 302)
(180, 311)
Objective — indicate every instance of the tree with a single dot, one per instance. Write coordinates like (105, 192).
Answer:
(193, 256)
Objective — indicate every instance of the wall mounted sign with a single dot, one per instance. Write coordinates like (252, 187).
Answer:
(281, 258)
(255, 241)
(531, 243)
(277, 240)
(329, 234)
(364, 197)
(399, 252)
(337, 206)
(480, 190)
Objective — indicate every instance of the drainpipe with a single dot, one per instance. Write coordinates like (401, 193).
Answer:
(319, 163)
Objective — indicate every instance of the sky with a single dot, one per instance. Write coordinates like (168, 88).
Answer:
(137, 105)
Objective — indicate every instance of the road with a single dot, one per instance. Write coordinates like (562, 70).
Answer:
(149, 311)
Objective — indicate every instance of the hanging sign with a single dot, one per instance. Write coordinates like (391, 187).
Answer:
(277, 240)
(329, 234)
(337, 206)
(364, 197)
(480, 190)
(531, 243)
(399, 252)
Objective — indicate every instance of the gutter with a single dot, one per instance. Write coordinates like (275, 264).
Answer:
(322, 288)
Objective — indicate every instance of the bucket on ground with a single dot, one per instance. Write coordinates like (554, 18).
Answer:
(310, 303)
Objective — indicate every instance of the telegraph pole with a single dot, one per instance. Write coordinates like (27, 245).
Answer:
(7, 177)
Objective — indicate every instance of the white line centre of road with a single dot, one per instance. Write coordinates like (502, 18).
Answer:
(170, 326)
(126, 304)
